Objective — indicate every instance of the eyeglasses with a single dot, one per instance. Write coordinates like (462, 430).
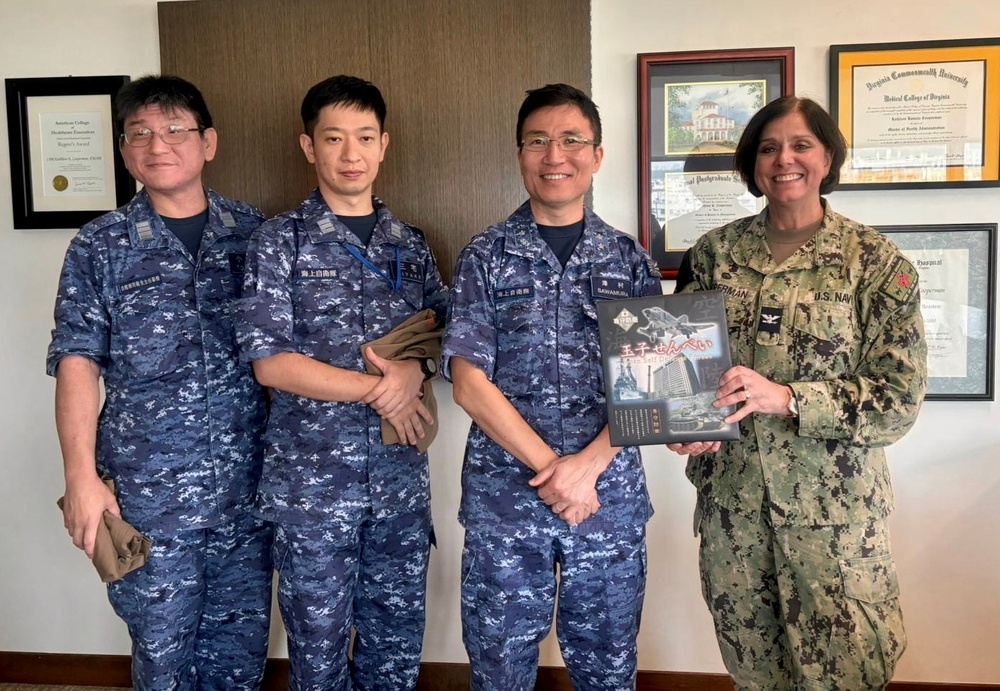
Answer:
(170, 134)
(568, 142)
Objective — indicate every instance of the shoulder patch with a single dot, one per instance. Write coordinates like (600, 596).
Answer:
(654, 270)
(901, 280)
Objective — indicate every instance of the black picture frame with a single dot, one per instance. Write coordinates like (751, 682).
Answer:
(957, 267)
(748, 78)
(918, 114)
(110, 184)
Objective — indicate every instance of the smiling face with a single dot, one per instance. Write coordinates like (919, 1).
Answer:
(557, 181)
(168, 170)
(346, 146)
(791, 162)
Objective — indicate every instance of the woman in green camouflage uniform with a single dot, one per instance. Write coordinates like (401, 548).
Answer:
(830, 367)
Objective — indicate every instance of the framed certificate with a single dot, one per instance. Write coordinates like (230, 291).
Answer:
(65, 168)
(957, 267)
(918, 115)
(693, 107)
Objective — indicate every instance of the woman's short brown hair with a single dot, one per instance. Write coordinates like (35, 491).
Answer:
(818, 121)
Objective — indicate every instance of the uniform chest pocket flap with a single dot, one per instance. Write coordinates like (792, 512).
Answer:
(152, 327)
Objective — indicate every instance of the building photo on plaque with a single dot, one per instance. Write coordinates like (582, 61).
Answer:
(663, 357)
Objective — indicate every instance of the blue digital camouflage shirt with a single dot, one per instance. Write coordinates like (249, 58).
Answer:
(180, 432)
(305, 293)
(531, 326)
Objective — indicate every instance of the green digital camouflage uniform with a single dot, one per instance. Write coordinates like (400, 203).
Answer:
(795, 557)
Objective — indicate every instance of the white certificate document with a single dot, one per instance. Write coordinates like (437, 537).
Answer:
(922, 115)
(71, 145)
(944, 302)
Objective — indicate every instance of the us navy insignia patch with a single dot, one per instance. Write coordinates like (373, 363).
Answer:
(901, 281)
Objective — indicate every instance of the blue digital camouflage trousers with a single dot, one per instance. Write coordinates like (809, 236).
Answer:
(199, 611)
(509, 589)
(369, 574)
(809, 608)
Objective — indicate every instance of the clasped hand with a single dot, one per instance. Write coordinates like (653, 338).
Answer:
(569, 486)
(397, 397)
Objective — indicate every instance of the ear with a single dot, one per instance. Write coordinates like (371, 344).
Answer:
(210, 140)
(385, 145)
(598, 157)
(306, 142)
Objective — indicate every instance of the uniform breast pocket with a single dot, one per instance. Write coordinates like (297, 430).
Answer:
(520, 342)
(324, 314)
(824, 341)
(152, 333)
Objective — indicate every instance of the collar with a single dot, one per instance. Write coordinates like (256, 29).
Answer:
(524, 240)
(825, 248)
(147, 230)
(323, 226)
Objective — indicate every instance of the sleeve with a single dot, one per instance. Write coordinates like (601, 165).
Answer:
(695, 271)
(646, 279)
(435, 292)
(879, 402)
(685, 274)
(264, 313)
(82, 318)
(470, 330)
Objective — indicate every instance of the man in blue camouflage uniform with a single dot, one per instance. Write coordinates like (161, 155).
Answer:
(542, 486)
(145, 301)
(352, 515)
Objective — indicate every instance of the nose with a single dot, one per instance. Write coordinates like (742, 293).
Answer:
(157, 145)
(349, 151)
(553, 152)
(784, 155)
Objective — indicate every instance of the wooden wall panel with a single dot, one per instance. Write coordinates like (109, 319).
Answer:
(453, 73)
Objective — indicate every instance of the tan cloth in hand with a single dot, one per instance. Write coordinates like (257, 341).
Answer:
(119, 548)
(417, 337)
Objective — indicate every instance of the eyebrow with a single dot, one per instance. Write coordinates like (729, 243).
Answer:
(333, 128)
(545, 134)
(794, 136)
(172, 119)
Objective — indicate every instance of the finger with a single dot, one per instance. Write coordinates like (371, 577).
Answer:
(743, 412)
(379, 362)
(542, 476)
(547, 494)
(89, 540)
(423, 412)
(417, 426)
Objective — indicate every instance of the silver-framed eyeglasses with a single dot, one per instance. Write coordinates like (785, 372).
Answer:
(170, 134)
(567, 142)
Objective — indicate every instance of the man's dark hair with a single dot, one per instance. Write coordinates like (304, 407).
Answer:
(559, 95)
(820, 124)
(168, 92)
(345, 90)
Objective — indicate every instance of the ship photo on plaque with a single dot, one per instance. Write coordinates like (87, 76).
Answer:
(663, 357)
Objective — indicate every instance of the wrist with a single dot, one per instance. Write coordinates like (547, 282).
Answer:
(428, 367)
(792, 404)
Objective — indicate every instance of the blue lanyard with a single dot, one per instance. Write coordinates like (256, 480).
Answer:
(396, 285)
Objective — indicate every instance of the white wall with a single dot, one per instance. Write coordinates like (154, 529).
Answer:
(947, 475)
(946, 472)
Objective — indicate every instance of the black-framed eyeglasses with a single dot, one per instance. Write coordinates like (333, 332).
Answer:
(170, 134)
(567, 142)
